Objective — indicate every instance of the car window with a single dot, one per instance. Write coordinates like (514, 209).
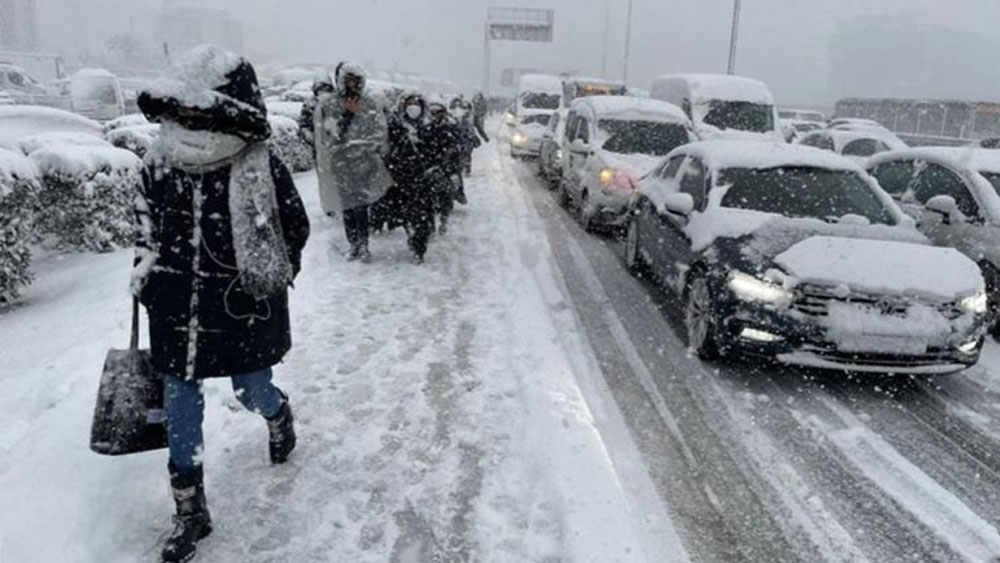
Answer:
(642, 137)
(864, 147)
(895, 177)
(571, 125)
(693, 182)
(673, 165)
(937, 180)
(820, 141)
(584, 131)
(16, 79)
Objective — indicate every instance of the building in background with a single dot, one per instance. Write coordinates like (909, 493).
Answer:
(18, 25)
(183, 25)
(903, 57)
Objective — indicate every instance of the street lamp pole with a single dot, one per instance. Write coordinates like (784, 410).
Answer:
(735, 38)
(607, 31)
(628, 42)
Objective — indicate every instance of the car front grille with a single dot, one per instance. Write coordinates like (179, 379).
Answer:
(815, 301)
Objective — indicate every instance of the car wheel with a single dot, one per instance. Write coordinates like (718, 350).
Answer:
(564, 198)
(582, 216)
(992, 277)
(699, 318)
(633, 250)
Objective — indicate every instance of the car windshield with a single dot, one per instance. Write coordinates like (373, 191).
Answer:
(541, 119)
(642, 137)
(803, 192)
(742, 116)
(994, 180)
(538, 100)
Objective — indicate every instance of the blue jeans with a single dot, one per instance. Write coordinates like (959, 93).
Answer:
(185, 406)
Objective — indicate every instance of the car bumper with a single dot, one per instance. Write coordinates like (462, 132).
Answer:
(803, 340)
(528, 148)
(610, 208)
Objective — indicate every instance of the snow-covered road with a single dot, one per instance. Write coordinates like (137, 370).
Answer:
(447, 412)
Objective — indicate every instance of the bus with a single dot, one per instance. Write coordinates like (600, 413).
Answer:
(928, 122)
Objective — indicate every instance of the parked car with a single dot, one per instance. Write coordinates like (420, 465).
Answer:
(722, 106)
(17, 122)
(21, 86)
(610, 142)
(952, 192)
(794, 129)
(806, 115)
(97, 94)
(550, 153)
(858, 146)
(856, 124)
(793, 253)
(539, 92)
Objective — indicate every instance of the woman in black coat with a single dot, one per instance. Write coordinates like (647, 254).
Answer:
(222, 230)
(411, 168)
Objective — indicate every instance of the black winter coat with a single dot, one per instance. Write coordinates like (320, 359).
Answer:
(407, 159)
(201, 321)
(444, 144)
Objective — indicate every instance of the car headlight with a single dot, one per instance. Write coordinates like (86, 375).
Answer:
(519, 139)
(558, 154)
(975, 304)
(752, 288)
(606, 176)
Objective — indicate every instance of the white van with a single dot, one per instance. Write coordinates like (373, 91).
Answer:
(538, 92)
(97, 94)
(722, 106)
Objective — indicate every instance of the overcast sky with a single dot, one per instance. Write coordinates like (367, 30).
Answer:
(784, 42)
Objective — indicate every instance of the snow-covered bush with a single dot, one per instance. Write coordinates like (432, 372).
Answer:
(19, 203)
(87, 196)
(289, 145)
(134, 138)
(291, 110)
(33, 143)
(131, 120)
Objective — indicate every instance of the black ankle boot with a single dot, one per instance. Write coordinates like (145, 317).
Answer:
(282, 429)
(192, 522)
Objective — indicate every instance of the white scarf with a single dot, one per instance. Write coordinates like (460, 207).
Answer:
(197, 150)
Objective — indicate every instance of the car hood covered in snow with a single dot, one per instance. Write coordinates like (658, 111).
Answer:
(882, 267)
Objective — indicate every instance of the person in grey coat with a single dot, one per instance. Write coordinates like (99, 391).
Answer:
(351, 139)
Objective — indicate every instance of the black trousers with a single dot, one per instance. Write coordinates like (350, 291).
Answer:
(356, 225)
(419, 216)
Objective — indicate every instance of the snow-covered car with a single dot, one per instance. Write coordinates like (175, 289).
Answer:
(18, 122)
(856, 124)
(722, 106)
(953, 194)
(526, 134)
(33, 143)
(803, 115)
(793, 253)
(300, 92)
(6, 98)
(550, 153)
(858, 146)
(20, 86)
(610, 142)
(97, 94)
(794, 129)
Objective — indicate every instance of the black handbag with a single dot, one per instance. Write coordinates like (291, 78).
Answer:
(129, 416)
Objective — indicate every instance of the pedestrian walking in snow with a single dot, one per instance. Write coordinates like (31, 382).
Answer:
(480, 108)
(411, 169)
(351, 135)
(444, 145)
(323, 85)
(222, 232)
(462, 110)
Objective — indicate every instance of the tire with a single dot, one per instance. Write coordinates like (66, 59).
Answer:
(564, 199)
(585, 220)
(700, 321)
(633, 255)
(992, 277)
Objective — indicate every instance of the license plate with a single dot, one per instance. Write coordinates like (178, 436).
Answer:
(882, 344)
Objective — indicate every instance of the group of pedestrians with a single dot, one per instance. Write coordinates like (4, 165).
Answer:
(222, 230)
(384, 167)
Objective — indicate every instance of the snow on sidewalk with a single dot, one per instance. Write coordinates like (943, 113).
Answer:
(438, 414)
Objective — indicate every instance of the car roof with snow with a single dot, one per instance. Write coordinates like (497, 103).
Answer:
(707, 87)
(757, 155)
(961, 158)
(631, 107)
(540, 83)
(842, 137)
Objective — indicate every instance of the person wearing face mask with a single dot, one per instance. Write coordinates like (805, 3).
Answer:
(411, 166)
(221, 233)
(444, 150)
(351, 134)
(462, 111)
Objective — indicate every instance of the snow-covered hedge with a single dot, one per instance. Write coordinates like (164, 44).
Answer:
(134, 138)
(19, 203)
(289, 145)
(87, 196)
(40, 141)
(130, 120)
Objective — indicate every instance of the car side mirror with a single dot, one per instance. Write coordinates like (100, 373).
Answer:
(579, 146)
(548, 135)
(678, 205)
(945, 206)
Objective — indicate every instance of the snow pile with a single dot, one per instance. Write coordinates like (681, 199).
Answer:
(136, 139)
(192, 80)
(33, 143)
(87, 196)
(18, 205)
(288, 144)
(291, 110)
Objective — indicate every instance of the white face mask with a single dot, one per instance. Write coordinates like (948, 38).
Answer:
(414, 111)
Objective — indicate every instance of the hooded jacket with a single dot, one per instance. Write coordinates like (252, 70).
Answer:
(350, 148)
(202, 321)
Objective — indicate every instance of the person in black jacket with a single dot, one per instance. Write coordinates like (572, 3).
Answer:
(222, 230)
(444, 142)
(410, 167)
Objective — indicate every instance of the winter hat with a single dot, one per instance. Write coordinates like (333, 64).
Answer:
(323, 80)
(217, 88)
(350, 69)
